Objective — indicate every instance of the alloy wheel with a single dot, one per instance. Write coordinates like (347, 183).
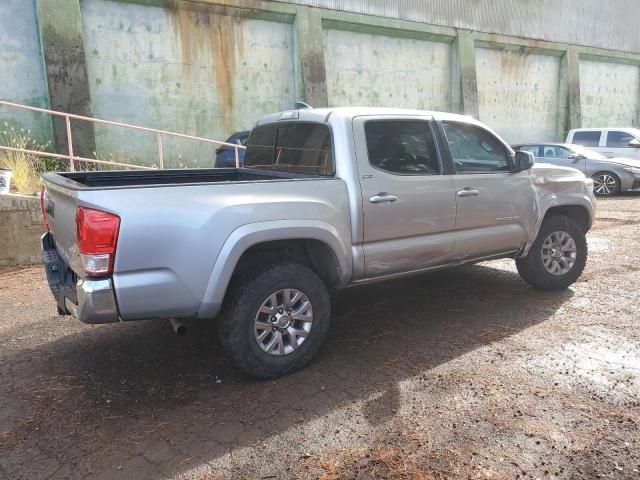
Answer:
(283, 322)
(559, 253)
(604, 184)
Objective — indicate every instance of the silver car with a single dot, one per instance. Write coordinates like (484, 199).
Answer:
(610, 175)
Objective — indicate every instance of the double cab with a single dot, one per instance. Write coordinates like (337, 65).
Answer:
(327, 199)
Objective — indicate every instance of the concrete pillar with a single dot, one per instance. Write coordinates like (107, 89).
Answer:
(468, 77)
(62, 39)
(573, 74)
(310, 47)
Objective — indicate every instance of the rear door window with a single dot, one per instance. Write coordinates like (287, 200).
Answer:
(619, 139)
(291, 147)
(587, 139)
(402, 147)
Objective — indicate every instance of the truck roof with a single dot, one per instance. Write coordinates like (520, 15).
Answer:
(322, 115)
(633, 130)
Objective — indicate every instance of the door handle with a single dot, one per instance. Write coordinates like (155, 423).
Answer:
(468, 192)
(383, 197)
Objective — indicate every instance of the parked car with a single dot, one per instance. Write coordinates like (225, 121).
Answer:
(611, 142)
(226, 156)
(328, 198)
(610, 175)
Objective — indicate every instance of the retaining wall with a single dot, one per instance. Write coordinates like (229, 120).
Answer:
(21, 227)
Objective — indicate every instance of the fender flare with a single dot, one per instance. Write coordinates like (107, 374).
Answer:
(552, 200)
(246, 236)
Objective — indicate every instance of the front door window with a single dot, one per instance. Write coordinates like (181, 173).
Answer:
(475, 150)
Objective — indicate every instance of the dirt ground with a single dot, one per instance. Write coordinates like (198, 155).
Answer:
(466, 373)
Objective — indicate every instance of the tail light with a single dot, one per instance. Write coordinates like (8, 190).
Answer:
(43, 190)
(97, 234)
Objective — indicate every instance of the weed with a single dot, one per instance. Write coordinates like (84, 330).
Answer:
(26, 168)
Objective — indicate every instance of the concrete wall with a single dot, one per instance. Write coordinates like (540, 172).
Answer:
(529, 69)
(22, 77)
(20, 230)
(367, 69)
(183, 70)
(519, 93)
(609, 94)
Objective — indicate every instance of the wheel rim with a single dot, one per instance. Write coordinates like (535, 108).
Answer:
(283, 322)
(604, 184)
(559, 253)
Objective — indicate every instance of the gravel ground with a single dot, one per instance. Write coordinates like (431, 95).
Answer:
(466, 373)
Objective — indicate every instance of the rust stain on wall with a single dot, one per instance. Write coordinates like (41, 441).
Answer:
(513, 63)
(314, 67)
(224, 66)
(210, 40)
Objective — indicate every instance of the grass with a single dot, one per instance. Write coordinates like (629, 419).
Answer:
(26, 168)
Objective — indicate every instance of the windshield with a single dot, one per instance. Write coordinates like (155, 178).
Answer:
(590, 154)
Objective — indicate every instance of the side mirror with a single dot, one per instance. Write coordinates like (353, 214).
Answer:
(635, 143)
(524, 160)
(576, 156)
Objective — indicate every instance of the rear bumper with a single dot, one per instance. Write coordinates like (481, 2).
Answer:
(90, 301)
(96, 302)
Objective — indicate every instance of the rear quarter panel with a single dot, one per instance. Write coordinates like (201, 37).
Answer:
(171, 237)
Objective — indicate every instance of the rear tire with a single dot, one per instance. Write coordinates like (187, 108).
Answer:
(557, 257)
(606, 184)
(267, 334)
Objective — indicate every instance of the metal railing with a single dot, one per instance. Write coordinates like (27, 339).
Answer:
(74, 158)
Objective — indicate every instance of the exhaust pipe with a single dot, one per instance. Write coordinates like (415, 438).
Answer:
(179, 328)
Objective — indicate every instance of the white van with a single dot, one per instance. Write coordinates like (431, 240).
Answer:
(611, 142)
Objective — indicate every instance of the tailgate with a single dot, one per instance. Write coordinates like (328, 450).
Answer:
(59, 203)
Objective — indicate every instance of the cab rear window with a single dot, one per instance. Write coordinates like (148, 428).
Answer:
(295, 147)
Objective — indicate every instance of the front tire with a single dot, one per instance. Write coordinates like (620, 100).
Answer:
(275, 322)
(606, 184)
(557, 257)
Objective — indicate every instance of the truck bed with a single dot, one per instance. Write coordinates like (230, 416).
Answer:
(170, 239)
(138, 178)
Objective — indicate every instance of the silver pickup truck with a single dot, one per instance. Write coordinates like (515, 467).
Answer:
(327, 198)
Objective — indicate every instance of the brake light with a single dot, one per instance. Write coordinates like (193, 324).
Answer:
(43, 190)
(97, 234)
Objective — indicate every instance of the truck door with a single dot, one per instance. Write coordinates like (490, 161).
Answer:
(494, 205)
(619, 144)
(408, 203)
